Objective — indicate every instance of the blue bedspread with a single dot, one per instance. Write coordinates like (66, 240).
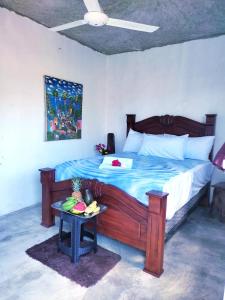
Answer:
(148, 173)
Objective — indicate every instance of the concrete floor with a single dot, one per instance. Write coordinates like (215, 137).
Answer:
(194, 264)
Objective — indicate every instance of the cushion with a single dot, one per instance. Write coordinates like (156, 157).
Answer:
(199, 147)
(133, 141)
(164, 146)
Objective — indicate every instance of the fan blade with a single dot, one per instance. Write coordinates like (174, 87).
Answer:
(68, 25)
(131, 25)
(92, 5)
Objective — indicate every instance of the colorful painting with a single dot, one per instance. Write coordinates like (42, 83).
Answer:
(64, 109)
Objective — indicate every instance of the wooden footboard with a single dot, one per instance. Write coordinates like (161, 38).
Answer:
(126, 219)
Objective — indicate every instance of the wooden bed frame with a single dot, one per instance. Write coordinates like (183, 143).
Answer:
(127, 220)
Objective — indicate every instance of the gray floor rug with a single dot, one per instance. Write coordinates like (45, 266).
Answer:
(90, 269)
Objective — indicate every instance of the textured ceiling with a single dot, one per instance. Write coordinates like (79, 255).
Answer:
(179, 21)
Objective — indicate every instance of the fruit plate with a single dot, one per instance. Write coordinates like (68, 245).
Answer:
(58, 206)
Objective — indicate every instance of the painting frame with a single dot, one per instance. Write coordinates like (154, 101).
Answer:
(63, 113)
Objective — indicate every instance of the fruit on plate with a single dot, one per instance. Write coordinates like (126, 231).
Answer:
(69, 203)
(76, 185)
(78, 208)
(71, 198)
(92, 208)
(116, 163)
(96, 210)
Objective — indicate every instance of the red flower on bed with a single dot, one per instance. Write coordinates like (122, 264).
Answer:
(116, 163)
(101, 148)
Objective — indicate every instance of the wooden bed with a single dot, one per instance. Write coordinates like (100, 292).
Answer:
(127, 220)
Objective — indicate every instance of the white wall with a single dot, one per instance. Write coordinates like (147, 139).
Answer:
(185, 79)
(27, 52)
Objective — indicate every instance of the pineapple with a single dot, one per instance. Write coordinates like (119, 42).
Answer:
(76, 185)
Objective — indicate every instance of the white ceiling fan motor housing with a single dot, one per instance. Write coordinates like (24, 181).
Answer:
(96, 18)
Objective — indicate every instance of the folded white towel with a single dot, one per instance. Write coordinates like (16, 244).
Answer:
(126, 163)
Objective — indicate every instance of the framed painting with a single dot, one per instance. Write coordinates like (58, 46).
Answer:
(63, 109)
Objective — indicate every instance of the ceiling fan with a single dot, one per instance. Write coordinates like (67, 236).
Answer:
(96, 17)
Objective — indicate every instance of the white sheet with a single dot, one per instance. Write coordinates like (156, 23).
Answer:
(183, 187)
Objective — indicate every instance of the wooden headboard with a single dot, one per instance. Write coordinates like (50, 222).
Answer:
(173, 125)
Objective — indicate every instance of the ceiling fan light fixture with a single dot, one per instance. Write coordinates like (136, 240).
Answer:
(96, 18)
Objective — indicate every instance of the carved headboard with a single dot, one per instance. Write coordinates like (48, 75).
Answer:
(173, 125)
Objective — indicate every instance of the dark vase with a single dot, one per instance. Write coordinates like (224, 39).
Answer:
(88, 197)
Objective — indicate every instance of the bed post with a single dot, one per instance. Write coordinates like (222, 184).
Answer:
(155, 233)
(130, 121)
(210, 128)
(47, 178)
(210, 124)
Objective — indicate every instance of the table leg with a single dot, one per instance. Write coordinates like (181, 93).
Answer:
(75, 239)
(82, 232)
(60, 233)
(95, 234)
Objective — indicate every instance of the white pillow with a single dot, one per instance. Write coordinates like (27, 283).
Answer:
(199, 147)
(133, 141)
(164, 146)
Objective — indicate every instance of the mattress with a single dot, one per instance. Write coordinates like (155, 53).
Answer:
(182, 179)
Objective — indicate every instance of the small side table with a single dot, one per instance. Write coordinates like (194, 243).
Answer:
(218, 201)
(76, 244)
